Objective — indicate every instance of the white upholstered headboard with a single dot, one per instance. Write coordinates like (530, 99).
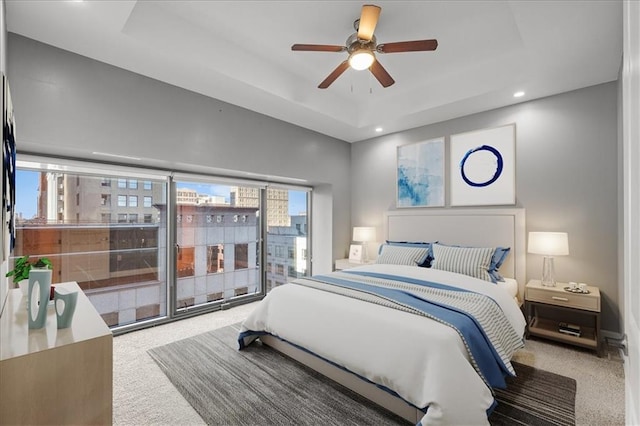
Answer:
(487, 227)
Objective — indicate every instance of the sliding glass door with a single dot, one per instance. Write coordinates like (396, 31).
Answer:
(217, 242)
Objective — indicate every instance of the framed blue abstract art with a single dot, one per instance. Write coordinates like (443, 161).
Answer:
(420, 174)
(483, 167)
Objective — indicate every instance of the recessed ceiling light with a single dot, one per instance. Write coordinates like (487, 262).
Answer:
(518, 94)
(378, 129)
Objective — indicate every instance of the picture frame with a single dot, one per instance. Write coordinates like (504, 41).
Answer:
(420, 179)
(8, 171)
(482, 167)
(355, 253)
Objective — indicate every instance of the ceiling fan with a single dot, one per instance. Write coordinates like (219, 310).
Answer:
(362, 47)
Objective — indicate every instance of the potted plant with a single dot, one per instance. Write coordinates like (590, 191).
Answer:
(20, 271)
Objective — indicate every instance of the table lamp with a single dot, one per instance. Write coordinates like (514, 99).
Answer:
(364, 235)
(548, 244)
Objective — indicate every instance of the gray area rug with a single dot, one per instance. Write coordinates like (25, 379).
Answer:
(260, 386)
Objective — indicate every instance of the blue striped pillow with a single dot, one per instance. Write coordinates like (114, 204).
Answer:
(472, 261)
(402, 255)
(426, 263)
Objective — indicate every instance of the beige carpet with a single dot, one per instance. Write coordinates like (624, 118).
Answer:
(144, 396)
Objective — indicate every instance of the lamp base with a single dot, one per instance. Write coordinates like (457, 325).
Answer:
(548, 272)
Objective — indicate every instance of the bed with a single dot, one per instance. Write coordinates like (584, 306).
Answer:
(428, 343)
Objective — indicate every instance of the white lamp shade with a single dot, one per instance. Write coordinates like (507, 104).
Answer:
(364, 233)
(548, 243)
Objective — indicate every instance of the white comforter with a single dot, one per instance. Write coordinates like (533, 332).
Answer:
(423, 361)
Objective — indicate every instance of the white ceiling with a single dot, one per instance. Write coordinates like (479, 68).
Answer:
(240, 52)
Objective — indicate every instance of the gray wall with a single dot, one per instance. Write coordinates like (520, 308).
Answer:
(3, 36)
(566, 179)
(70, 105)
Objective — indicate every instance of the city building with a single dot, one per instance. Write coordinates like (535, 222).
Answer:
(277, 200)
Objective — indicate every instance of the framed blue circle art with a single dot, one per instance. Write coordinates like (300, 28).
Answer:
(482, 167)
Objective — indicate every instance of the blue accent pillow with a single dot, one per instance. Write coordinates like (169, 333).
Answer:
(498, 258)
(427, 261)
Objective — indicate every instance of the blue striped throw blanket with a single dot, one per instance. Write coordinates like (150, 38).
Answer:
(489, 338)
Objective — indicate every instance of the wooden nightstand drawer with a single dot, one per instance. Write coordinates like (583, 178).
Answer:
(564, 298)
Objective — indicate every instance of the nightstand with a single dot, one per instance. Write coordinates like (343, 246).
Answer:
(346, 264)
(557, 302)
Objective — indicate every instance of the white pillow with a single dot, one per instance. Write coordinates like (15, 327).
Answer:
(398, 255)
(472, 261)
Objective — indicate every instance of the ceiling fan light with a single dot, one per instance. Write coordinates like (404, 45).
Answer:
(361, 59)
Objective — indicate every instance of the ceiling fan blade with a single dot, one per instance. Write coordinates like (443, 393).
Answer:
(334, 75)
(318, 48)
(408, 46)
(368, 21)
(381, 74)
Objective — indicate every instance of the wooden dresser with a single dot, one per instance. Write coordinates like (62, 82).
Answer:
(51, 376)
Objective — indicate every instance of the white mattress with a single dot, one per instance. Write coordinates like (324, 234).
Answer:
(510, 286)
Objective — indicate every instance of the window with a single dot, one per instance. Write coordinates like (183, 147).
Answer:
(287, 231)
(215, 259)
(91, 240)
(118, 251)
(186, 262)
(241, 259)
